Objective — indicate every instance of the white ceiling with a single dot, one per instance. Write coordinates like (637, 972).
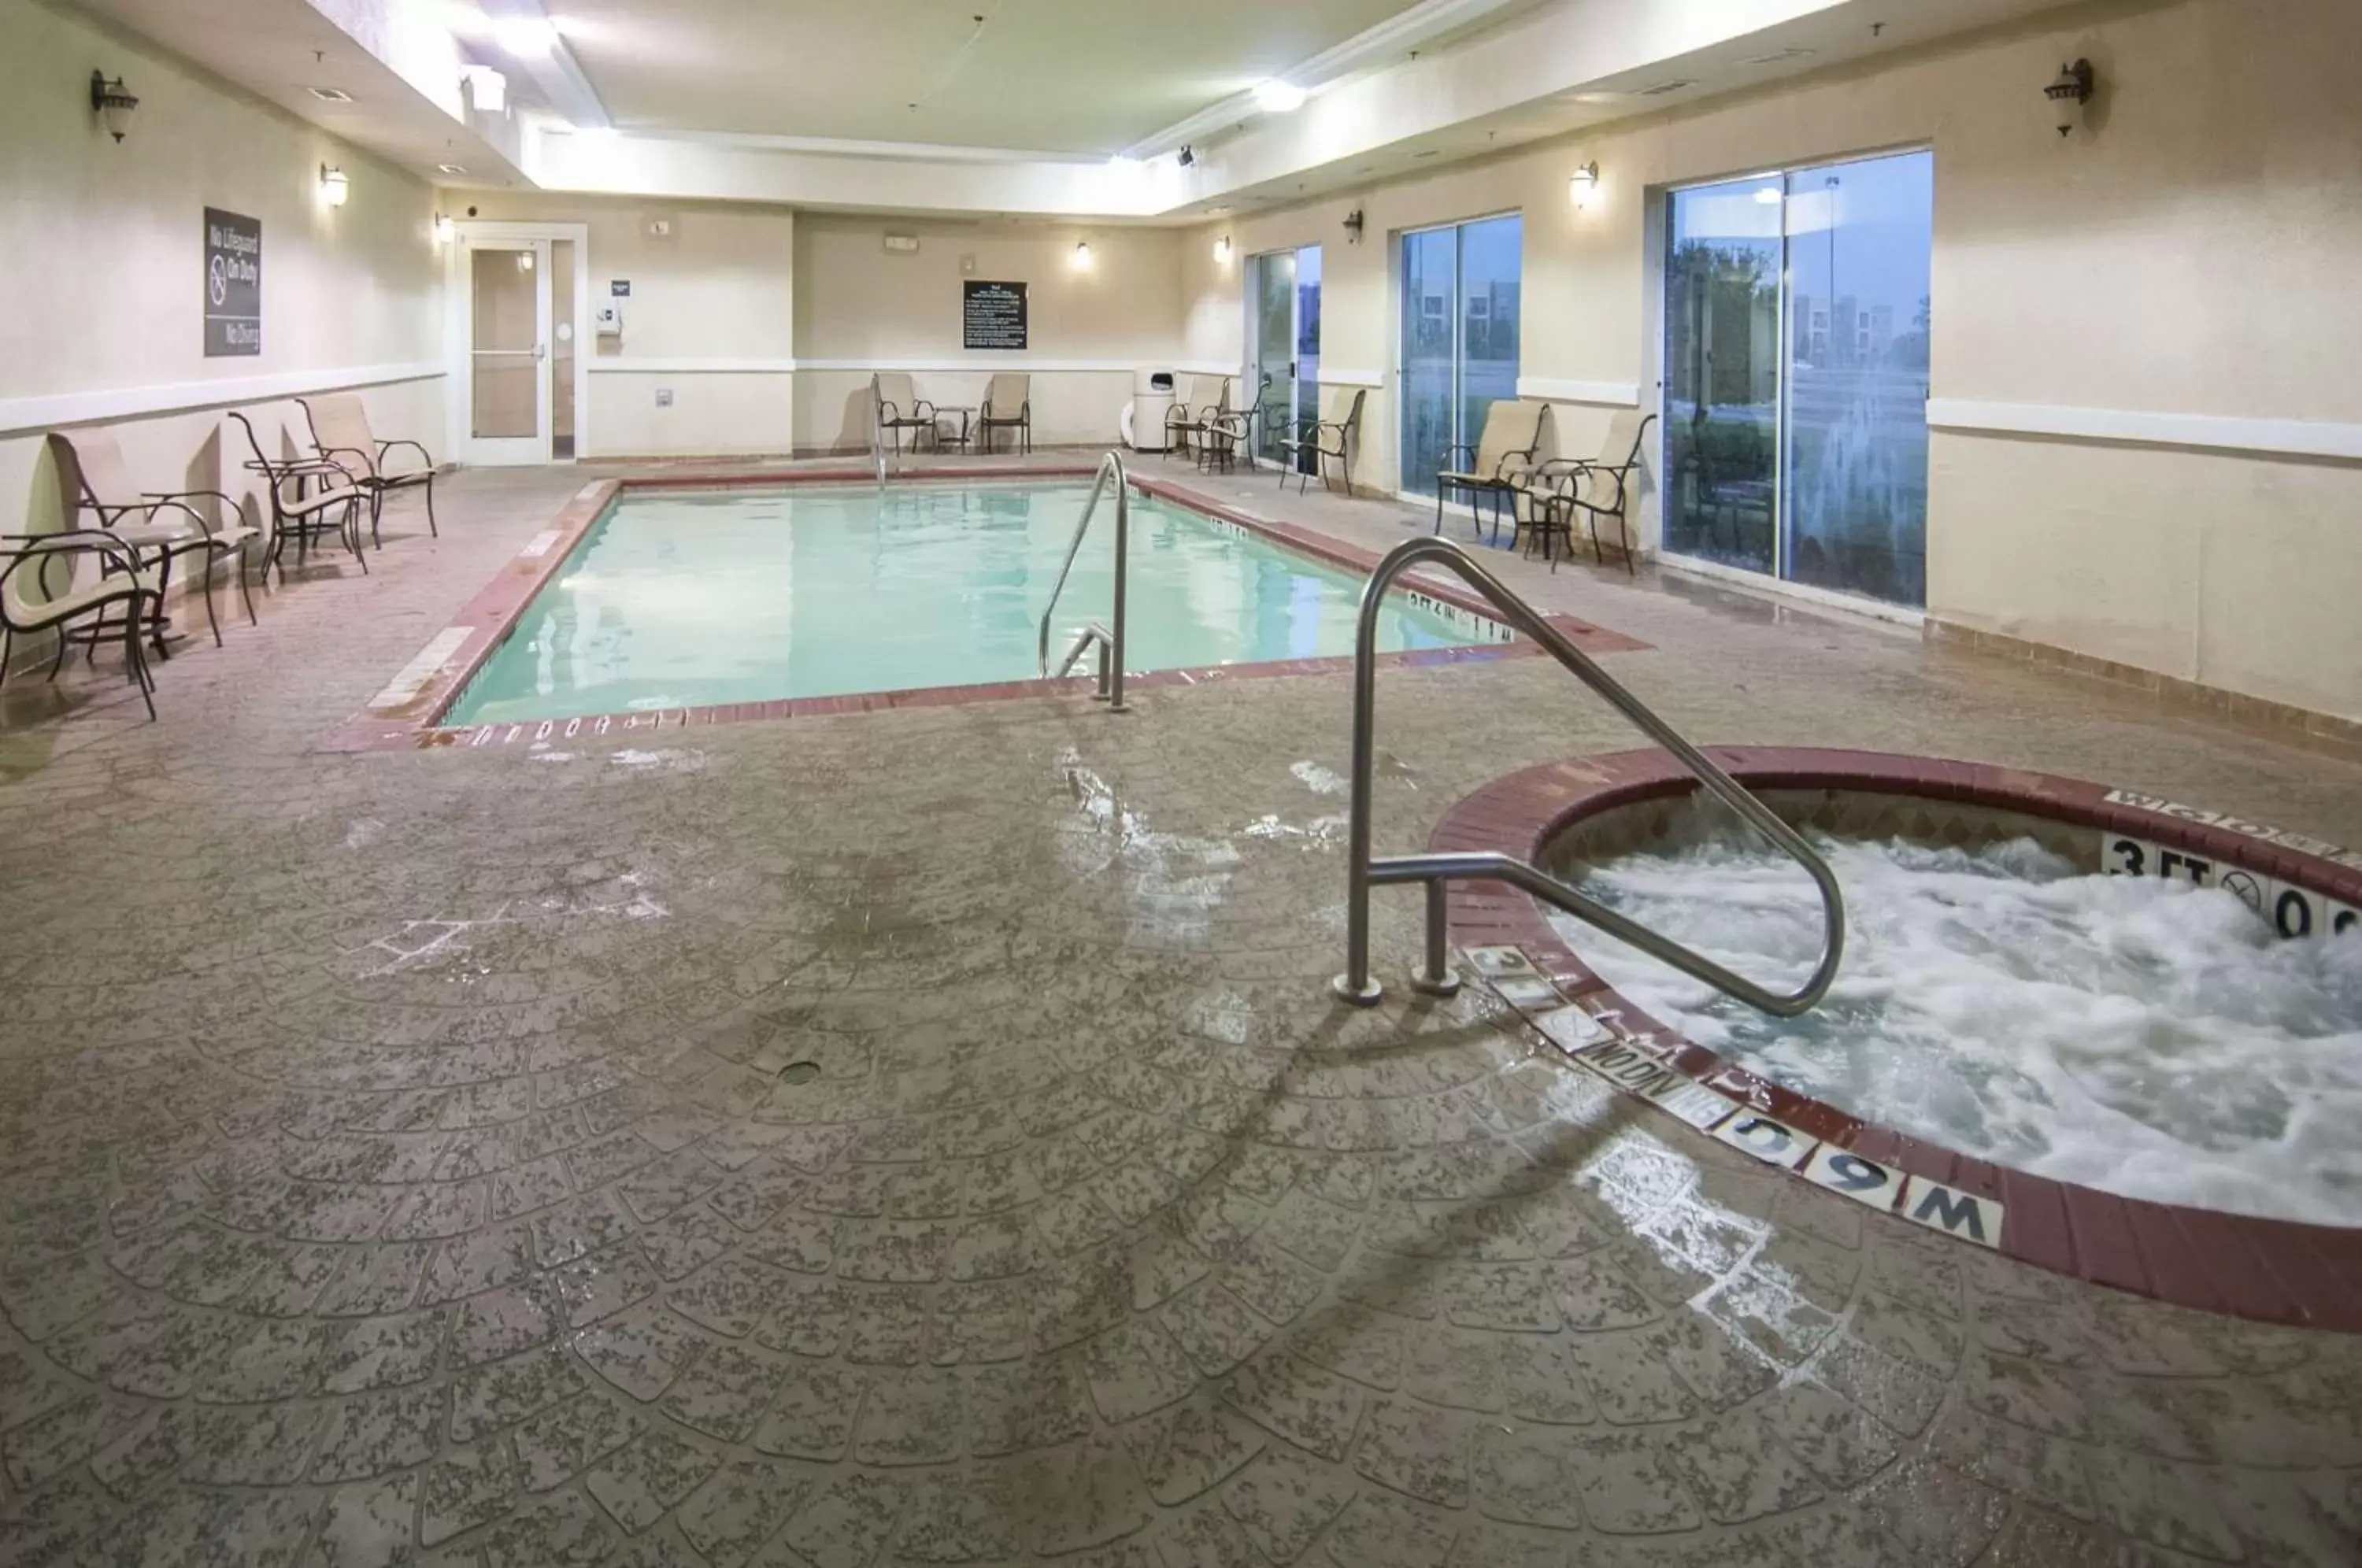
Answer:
(1048, 108)
(280, 49)
(1062, 76)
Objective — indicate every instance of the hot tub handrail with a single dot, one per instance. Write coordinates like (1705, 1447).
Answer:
(1111, 638)
(1437, 870)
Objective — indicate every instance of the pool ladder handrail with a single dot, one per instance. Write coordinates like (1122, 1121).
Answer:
(877, 435)
(1107, 638)
(1437, 870)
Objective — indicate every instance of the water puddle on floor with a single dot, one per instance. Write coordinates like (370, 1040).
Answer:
(1176, 880)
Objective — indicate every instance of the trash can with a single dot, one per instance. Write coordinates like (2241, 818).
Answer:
(1143, 416)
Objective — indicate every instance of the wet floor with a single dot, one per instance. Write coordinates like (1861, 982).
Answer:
(926, 1137)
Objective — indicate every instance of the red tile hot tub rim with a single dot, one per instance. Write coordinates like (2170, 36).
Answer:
(2270, 1270)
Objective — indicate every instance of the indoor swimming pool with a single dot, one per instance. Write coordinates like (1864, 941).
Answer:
(691, 599)
(2135, 1033)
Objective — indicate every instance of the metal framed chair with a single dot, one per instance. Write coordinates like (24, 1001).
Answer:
(1204, 396)
(331, 506)
(1008, 405)
(91, 469)
(340, 433)
(1499, 465)
(123, 580)
(1321, 441)
(900, 408)
(1598, 487)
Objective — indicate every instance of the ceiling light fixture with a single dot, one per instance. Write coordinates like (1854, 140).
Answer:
(450, 168)
(1582, 182)
(524, 37)
(2070, 93)
(334, 187)
(1279, 97)
(111, 103)
(330, 94)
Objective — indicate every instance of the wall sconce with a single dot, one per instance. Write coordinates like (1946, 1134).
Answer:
(1223, 251)
(1353, 227)
(1082, 255)
(2070, 93)
(445, 230)
(1582, 182)
(111, 103)
(334, 186)
(524, 261)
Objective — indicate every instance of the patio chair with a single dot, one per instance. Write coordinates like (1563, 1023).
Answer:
(1221, 436)
(123, 580)
(1499, 465)
(91, 469)
(900, 408)
(340, 433)
(1598, 487)
(1008, 405)
(1323, 440)
(311, 498)
(1202, 397)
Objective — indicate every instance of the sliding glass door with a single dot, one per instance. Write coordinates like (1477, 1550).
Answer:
(1796, 317)
(1460, 323)
(1284, 321)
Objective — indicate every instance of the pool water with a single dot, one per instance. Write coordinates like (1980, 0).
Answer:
(2135, 1034)
(689, 598)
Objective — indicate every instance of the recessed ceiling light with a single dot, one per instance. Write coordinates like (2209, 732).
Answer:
(330, 94)
(1675, 85)
(450, 168)
(1774, 59)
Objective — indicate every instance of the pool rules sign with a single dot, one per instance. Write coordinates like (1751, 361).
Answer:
(992, 315)
(233, 284)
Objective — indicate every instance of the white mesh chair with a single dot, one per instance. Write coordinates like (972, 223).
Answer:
(340, 433)
(311, 498)
(1499, 464)
(1008, 405)
(900, 407)
(159, 523)
(42, 590)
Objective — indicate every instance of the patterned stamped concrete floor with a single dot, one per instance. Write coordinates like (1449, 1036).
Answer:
(926, 1137)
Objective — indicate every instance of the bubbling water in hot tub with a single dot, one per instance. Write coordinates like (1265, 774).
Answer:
(2139, 1035)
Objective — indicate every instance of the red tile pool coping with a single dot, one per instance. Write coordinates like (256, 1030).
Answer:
(2272, 1270)
(406, 714)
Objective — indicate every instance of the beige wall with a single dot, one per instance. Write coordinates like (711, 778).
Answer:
(710, 319)
(859, 307)
(101, 263)
(2193, 253)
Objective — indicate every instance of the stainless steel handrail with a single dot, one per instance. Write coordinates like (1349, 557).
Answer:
(878, 433)
(1435, 870)
(1111, 638)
